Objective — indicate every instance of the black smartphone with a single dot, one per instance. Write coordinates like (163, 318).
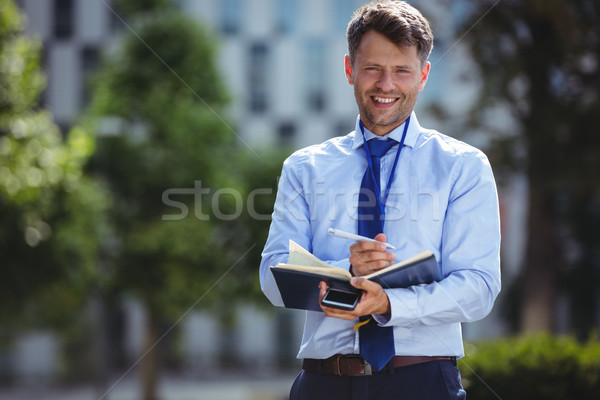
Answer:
(341, 299)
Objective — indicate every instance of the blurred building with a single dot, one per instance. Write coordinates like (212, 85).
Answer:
(283, 62)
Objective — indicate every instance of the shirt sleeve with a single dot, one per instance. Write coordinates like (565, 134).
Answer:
(290, 205)
(469, 256)
(290, 220)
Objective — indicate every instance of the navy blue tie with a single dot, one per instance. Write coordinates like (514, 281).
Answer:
(376, 343)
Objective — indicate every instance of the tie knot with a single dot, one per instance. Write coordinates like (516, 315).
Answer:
(379, 147)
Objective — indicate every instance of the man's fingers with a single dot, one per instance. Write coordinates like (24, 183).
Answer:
(381, 237)
(364, 284)
(338, 313)
(322, 290)
(367, 245)
(374, 300)
(367, 262)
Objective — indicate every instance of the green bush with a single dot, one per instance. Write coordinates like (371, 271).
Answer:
(532, 367)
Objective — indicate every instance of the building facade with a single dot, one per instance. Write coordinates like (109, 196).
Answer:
(283, 61)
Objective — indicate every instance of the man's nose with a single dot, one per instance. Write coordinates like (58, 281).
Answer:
(386, 81)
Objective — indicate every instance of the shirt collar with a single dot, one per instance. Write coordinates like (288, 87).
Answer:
(411, 135)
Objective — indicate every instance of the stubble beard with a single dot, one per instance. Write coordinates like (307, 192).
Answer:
(390, 118)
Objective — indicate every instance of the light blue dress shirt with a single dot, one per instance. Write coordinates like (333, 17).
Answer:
(443, 198)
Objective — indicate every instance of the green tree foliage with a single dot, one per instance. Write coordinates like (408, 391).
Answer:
(183, 235)
(155, 104)
(540, 60)
(532, 367)
(257, 175)
(51, 215)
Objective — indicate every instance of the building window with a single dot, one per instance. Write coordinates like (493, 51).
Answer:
(258, 77)
(89, 62)
(286, 132)
(63, 19)
(231, 16)
(287, 16)
(115, 22)
(344, 127)
(315, 75)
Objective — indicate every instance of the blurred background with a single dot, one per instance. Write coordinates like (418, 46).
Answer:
(140, 147)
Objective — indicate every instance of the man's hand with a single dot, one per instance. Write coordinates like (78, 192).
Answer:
(367, 257)
(374, 300)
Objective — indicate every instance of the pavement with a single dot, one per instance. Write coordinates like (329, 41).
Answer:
(171, 388)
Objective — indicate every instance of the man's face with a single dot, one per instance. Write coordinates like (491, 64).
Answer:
(387, 80)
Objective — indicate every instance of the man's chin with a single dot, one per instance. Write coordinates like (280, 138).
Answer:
(385, 122)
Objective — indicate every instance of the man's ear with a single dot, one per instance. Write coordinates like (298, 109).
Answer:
(424, 75)
(348, 69)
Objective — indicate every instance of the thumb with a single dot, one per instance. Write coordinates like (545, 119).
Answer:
(364, 284)
(359, 282)
(381, 237)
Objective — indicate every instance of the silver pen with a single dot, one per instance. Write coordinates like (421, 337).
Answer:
(352, 236)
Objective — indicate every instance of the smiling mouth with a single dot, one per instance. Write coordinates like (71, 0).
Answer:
(384, 100)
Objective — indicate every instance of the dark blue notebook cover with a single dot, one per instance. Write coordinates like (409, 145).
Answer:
(300, 289)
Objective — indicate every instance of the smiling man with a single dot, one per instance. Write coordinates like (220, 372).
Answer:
(394, 181)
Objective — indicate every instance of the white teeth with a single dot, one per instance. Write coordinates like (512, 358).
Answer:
(384, 100)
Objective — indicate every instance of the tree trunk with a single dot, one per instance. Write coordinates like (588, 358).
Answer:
(541, 265)
(100, 346)
(150, 361)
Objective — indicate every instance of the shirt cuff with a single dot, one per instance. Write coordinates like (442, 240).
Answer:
(381, 319)
(403, 305)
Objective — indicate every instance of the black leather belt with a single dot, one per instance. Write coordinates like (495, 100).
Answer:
(355, 365)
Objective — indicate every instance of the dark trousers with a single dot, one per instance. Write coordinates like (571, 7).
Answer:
(435, 380)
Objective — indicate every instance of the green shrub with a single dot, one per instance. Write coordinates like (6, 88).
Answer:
(532, 367)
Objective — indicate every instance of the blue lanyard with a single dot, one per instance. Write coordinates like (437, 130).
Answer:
(381, 202)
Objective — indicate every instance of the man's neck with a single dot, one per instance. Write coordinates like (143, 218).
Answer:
(382, 130)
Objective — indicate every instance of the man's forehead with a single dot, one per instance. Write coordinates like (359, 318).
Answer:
(378, 47)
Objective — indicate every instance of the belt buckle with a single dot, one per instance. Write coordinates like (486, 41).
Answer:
(367, 370)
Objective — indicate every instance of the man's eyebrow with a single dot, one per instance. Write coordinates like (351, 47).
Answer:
(377, 64)
(368, 63)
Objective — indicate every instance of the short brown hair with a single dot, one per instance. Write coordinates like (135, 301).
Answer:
(400, 22)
